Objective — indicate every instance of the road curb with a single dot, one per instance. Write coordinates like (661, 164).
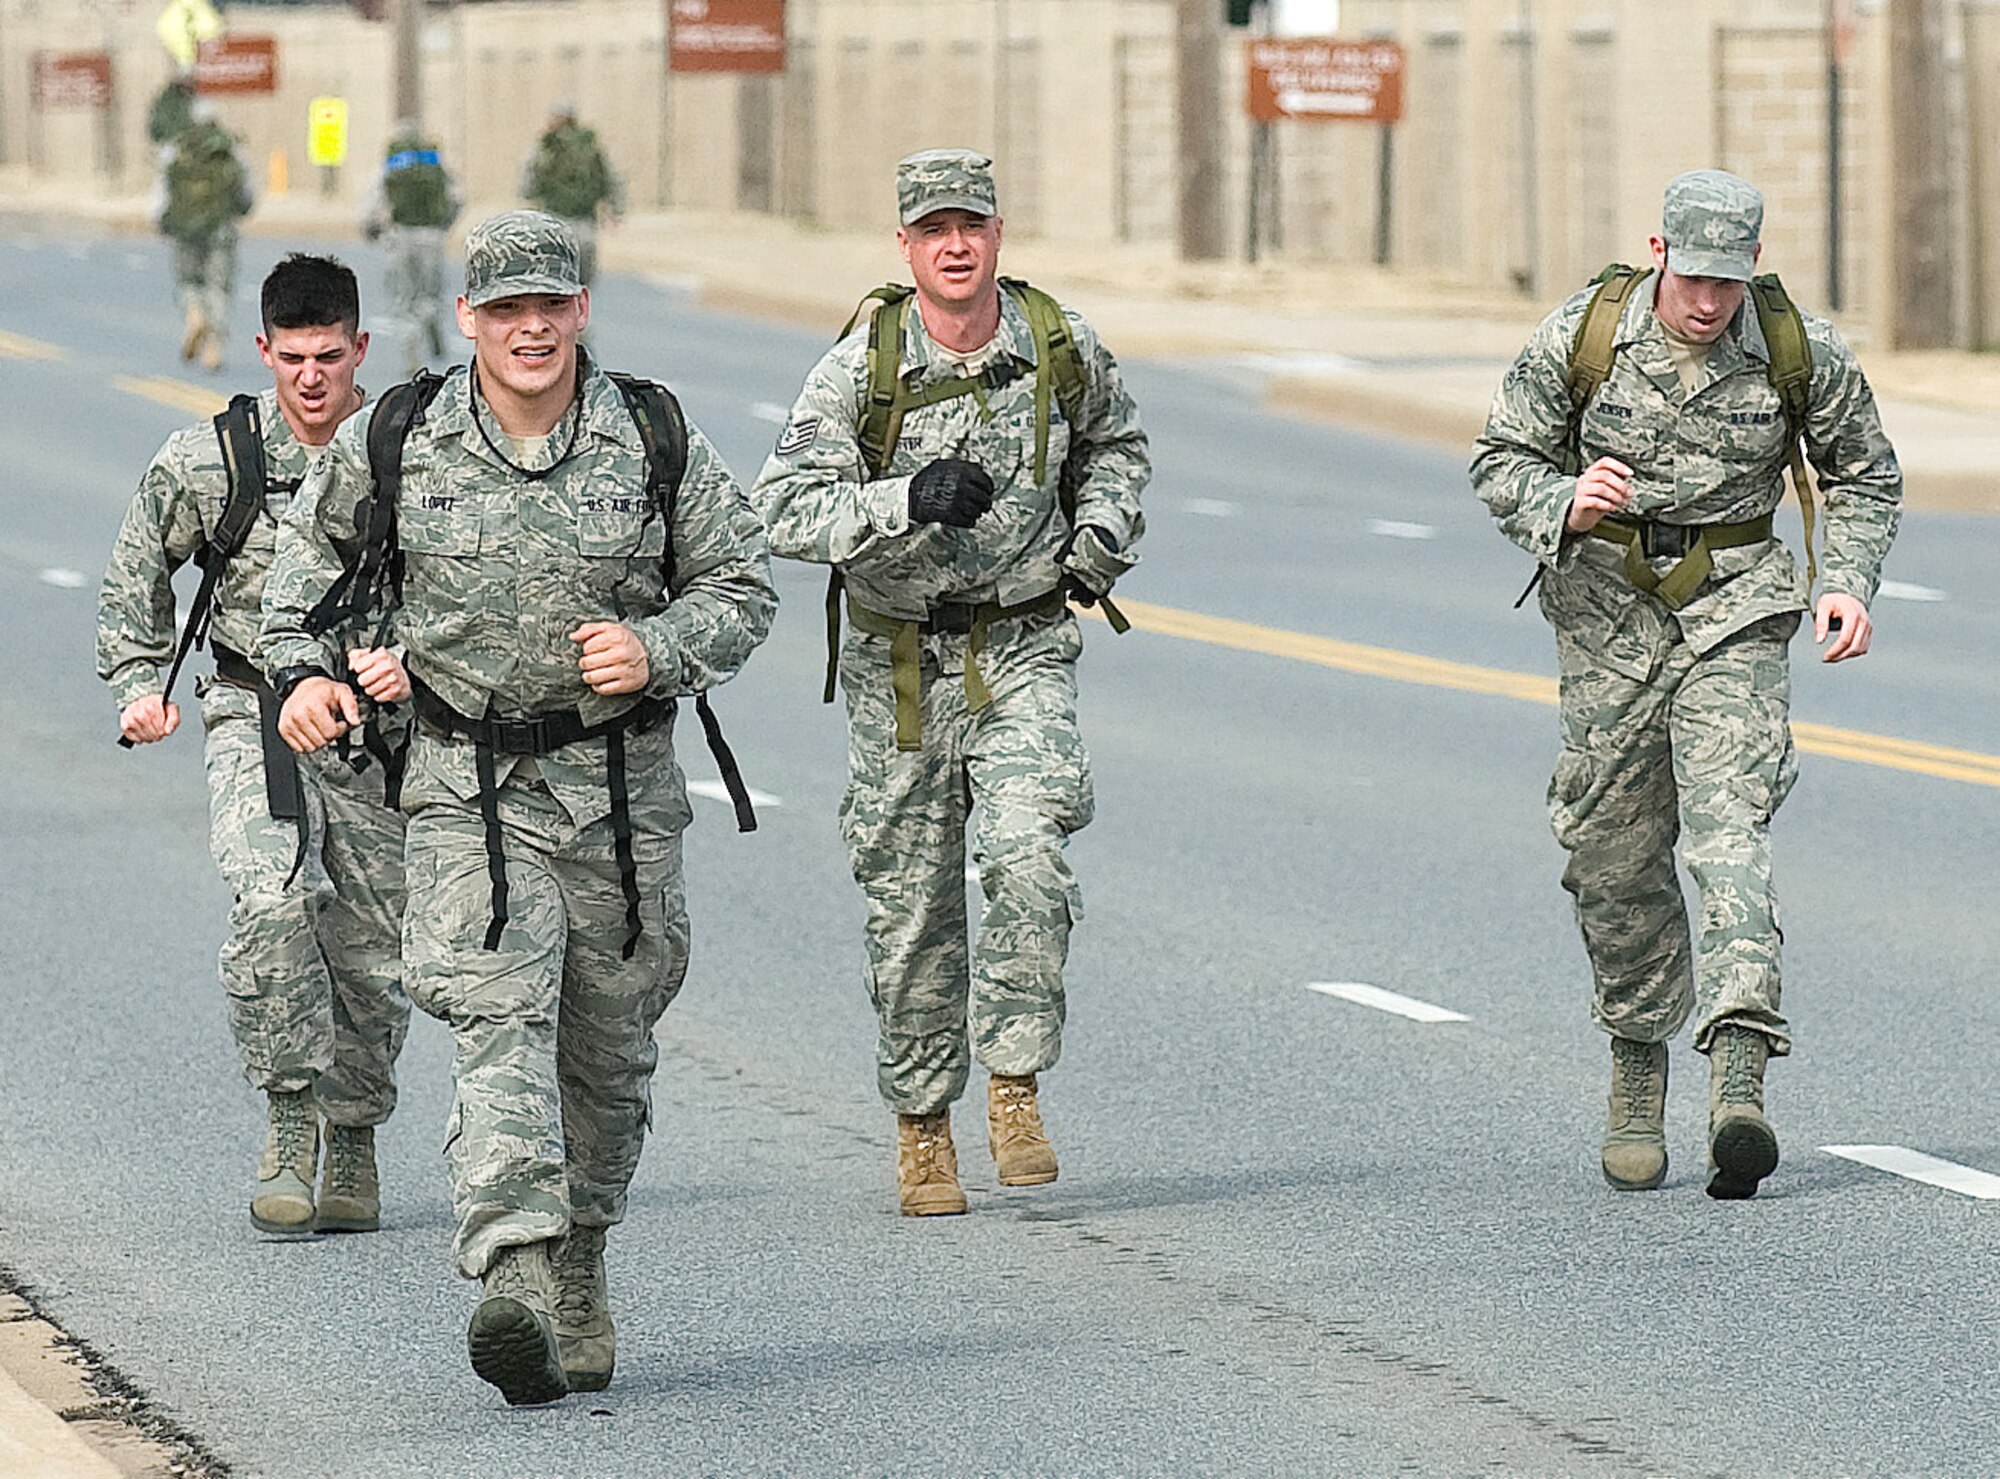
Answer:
(34, 1441)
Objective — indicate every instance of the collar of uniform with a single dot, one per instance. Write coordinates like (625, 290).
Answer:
(922, 362)
(285, 456)
(605, 413)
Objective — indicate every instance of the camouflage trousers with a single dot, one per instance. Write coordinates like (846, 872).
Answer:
(1016, 770)
(585, 228)
(413, 282)
(312, 973)
(1701, 751)
(205, 275)
(554, 1029)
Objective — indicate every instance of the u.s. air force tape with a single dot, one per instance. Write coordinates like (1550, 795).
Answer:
(798, 436)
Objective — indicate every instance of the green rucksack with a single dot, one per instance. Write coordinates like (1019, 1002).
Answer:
(1595, 346)
(569, 174)
(416, 187)
(1059, 375)
(206, 185)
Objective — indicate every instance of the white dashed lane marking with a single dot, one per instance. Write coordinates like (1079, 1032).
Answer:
(716, 791)
(1914, 1165)
(1397, 529)
(1902, 590)
(1386, 1001)
(1211, 508)
(772, 412)
(68, 580)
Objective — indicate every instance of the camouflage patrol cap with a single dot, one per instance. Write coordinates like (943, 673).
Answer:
(1710, 221)
(944, 180)
(520, 252)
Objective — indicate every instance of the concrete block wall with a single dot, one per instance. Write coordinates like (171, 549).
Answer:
(1536, 137)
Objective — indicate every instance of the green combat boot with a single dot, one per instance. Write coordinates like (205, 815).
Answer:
(927, 1166)
(1742, 1146)
(511, 1339)
(350, 1195)
(283, 1205)
(1635, 1141)
(584, 1334)
(1021, 1150)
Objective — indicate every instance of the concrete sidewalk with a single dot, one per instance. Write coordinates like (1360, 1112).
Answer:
(1386, 352)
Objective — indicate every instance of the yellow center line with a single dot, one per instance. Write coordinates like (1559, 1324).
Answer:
(1942, 761)
(182, 395)
(20, 346)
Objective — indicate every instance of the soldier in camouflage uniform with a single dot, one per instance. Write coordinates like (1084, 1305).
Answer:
(552, 617)
(203, 191)
(414, 201)
(568, 176)
(957, 553)
(1675, 699)
(312, 967)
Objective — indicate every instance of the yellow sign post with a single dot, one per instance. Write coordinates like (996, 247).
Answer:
(184, 25)
(326, 132)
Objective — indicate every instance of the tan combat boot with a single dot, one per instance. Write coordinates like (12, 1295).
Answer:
(211, 353)
(1742, 1146)
(1021, 1150)
(350, 1194)
(193, 332)
(585, 1338)
(512, 1338)
(1634, 1157)
(283, 1205)
(927, 1166)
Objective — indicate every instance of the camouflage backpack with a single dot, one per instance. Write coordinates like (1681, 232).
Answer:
(418, 191)
(1596, 344)
(206, 186)
(569, 177)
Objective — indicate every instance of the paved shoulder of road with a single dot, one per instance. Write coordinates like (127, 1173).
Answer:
(1396, 353)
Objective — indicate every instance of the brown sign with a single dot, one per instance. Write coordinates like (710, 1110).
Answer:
(1322, 80)
(726, 35)
(72, 79)
(237, 64)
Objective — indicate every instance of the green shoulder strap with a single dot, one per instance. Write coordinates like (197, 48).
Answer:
(1791, 376)
(1058, 368)
(882, 416)
(1595, 345)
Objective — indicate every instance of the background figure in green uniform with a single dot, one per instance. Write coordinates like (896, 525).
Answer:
(957, 549)
(415, 199)
(311, 970)
(172, 110)
(203, 191)
(551, 616)
(1673, 603)
(568, 176)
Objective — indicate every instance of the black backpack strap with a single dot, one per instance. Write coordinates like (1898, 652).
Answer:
(355, 593)
(239, 431)
(663, 433)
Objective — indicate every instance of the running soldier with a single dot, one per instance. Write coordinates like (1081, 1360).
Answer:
(311, 970)
(414, 201)
(203, 191)
(568, 176)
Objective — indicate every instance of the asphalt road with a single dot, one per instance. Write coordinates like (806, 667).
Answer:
(1294, 1235)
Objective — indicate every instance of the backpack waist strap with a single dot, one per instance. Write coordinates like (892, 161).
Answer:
(947, 618)
(1646, 539)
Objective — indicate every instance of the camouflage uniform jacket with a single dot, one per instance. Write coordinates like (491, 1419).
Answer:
(1714, 455)
(499, 570)
(819, 508)
(175, 511)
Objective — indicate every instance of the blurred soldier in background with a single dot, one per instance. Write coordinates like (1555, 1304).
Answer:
(414, 200)
(172, 110)
(568, 177)
(202, 192)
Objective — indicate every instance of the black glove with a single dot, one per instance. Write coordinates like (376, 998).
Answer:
(950, 491)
